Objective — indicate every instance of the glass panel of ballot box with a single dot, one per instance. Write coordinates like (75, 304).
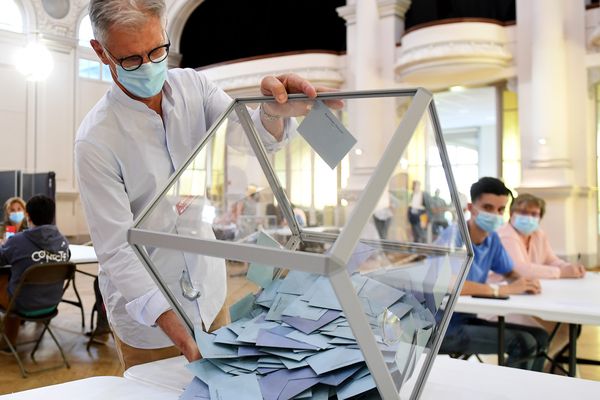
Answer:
(322, 260)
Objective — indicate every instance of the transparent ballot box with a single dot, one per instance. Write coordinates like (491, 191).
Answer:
(336, 265)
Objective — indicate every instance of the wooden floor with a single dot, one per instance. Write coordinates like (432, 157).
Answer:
(102, 358)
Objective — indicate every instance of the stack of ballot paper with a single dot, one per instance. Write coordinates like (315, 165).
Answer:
(292, 340)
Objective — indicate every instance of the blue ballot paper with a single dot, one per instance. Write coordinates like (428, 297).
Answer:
(242, 307)
(262, 274)
(326, 134)
(196, 390)
(275, 384)
(289, 343)
(210, 349)
(356, 387)
(330, 360)
(243, 387)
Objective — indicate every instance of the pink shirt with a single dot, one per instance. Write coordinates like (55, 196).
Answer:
(537, 261)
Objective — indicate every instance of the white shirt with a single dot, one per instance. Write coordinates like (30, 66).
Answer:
(124, 155)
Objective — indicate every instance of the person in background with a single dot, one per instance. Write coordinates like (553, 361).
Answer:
(417, 213)
(41, 243)
(438, 211)
(466, 333)
(14, 216)
(528, 245)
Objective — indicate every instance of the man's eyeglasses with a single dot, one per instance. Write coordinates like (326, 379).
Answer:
(131, 63)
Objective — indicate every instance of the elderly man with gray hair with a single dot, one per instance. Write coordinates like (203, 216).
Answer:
(129, 144)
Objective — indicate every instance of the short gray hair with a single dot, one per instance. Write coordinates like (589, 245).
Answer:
(130, 13)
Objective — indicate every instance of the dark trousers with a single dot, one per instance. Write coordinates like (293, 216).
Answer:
(382, 226)
(478, 336)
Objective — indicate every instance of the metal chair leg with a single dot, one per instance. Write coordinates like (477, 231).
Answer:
(14, 352)
(59, 348)
(38, 341)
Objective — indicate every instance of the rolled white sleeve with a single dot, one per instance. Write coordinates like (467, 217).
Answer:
(147, 308)
(109, 217)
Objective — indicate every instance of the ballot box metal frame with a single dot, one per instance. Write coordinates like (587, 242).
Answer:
(333, 264)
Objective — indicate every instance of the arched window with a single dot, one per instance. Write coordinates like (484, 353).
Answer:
(11, 17)
(89, 66)
(85, 31)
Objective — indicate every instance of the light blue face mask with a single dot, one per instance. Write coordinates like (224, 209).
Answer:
(16, 217)
(525, 224)
(146, 81)
(488, 222)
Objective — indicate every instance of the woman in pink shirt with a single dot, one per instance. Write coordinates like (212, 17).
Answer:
(528, 245)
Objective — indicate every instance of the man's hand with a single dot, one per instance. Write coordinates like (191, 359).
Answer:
(572, 271)
(282, 85)
(521, 286)
(171, 325)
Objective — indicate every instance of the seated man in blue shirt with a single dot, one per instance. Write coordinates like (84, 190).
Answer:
(466, 333)
(41, 243)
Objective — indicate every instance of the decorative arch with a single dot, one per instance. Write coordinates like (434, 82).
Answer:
(29, 15)
(22, 7)
(177, 16)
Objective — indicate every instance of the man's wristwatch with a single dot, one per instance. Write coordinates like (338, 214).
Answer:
(495, 289)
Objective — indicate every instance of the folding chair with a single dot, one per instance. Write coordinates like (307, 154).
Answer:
(51, 278)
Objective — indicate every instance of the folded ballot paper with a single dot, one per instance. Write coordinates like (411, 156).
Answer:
(293, 341)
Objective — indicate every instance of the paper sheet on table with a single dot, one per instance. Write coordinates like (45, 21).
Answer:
(262, 274)
(328, 137)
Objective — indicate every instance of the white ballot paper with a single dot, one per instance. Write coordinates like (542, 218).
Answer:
(326, 134)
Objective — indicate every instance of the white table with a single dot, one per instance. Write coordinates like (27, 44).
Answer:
(449, 378)
(572, 301)
(82, 254)
(96, 388)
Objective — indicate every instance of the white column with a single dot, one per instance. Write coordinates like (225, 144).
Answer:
(557, 138)
(373, 28)
(548, 139)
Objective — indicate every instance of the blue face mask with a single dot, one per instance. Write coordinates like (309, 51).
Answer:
(146, 81)
(16, 217)
(525, 224)
(488, 222)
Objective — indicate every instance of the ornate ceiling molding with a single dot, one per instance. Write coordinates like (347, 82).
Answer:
(331, 77)
(396, 8)
(453, 50)
(66, 27)
(347, 12)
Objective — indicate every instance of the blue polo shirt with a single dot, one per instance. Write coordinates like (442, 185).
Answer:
(489, 256)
